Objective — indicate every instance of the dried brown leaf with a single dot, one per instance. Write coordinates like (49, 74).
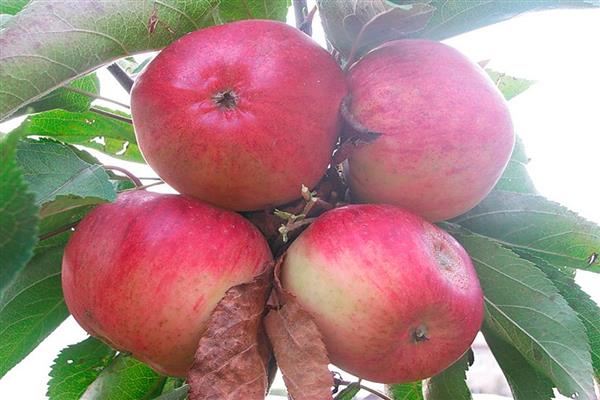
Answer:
(298, 347)
(232, 358)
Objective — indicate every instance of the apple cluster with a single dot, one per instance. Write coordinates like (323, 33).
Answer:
(238, 117)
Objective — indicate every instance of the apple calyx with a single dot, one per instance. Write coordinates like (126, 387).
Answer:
(419, 334)
(226, 99)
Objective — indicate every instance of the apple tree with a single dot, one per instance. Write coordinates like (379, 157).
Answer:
(541, 327)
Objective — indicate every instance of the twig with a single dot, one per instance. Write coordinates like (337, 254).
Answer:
(121, 76)
(111, 115)
(95, 96)
(363, 387)
(304, 18)
(132, 177)
(58, 231)
(143, 187)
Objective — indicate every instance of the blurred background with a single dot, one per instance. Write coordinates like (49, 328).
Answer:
(558, 119)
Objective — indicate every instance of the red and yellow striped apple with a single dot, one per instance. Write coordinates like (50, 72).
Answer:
(396, 298)
(446, 131)
(144, 273)
(240, 115)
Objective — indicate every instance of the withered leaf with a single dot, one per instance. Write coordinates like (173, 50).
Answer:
(298, 347)
(232, 358)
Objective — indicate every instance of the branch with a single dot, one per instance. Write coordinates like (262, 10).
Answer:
(303, 17)
(111, 115)
(363, 387)
(121, 76)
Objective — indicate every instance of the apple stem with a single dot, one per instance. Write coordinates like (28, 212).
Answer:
(111, 115)
(94, 96)
(121, 76)
(58, 231)
(359, 134)
(138, 183)
(363, 387)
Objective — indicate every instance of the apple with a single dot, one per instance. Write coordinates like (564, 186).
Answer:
(240, 115)
(396, 298)
(144, 273)
(446, 132)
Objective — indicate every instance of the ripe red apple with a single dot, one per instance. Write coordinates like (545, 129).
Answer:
(144, 273)
(395, 297)
(446, 131)
(240, 115)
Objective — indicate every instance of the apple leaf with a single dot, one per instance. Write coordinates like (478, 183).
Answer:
(298, 347)
(515, 177)
(18, 215)
(525, 382)
(33, 305)
(12, 7)
(232, 358)
(253, 9)
(533, 224)
(525, 309)
(179, 393)
(124, 378)
(64, 98)
(60, 177)
(459, 16)
(76, 367)
(344, 19)
(348, 392)
(450, 383)
(379, 21)
(405, 391)
(108, 135)
(51, 43)
(59, 220)
(580, 301)
(508, 85)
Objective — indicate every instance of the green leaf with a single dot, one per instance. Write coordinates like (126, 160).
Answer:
(12, 6)
(125, 378)
(509, 85)
(253, 9)
(113, 137)
(52, 42)
(344, 19)
(179, 393)
(580, 301)
(525, 309)
(449, 384)
(76, 367)
(348, 392)
(515, 177)
(533, 224)
(459, 16)
(64, 98)
(59, 220)
(33, 305)
(18, 215)
(60, 178)
(406, 391)
(525, 382)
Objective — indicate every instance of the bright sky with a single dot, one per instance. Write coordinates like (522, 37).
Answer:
(558, 119)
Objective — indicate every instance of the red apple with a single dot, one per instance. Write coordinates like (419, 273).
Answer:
(446, 131)
(144, 273)
(395, 297)
(240, 115)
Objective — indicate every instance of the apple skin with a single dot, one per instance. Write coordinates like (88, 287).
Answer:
(375, 278)
(144, 273)
(257, 153)
(446, 130)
